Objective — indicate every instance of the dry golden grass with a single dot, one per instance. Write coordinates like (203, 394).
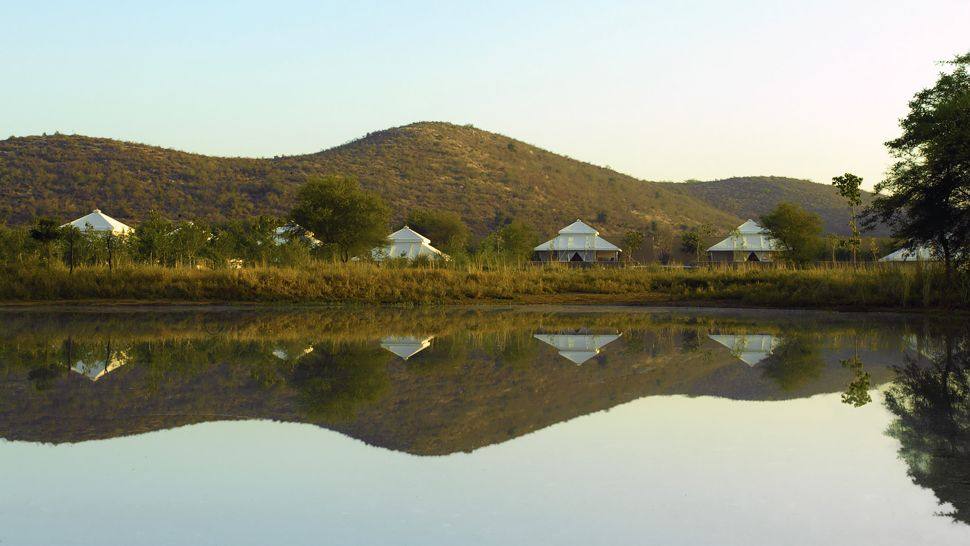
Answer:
(862, 287)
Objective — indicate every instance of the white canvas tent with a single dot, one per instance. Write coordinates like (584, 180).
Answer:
(918, 254)
(406, 346)
(749, 348)
(408, 244)
(577, 242)
(577, 347)
(749, 243)
(98, 221)
(284, 234)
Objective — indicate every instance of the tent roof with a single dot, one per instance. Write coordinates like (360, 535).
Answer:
(750, 226)
(582, 236)
(408, 235)
(99, 221)
(749, 237)
(918, 254)
(579, 228)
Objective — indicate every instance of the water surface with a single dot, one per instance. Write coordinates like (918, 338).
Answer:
(527, 425)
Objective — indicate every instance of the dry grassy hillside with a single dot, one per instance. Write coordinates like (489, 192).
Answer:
(488, 178)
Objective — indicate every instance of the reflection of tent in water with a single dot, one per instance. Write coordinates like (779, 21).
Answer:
(99, 368)
(283, 354)
(750, 348)
(406, 346)
(578, 347)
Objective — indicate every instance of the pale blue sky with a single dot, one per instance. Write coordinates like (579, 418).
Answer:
(660, 90)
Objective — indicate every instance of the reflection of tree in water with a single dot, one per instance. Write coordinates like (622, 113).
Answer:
(445, 356)
(793, 363)
(857, 392)
(931, 403)
(335, 381)
(690, 341)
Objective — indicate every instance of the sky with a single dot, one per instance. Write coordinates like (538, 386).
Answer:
(674, 90)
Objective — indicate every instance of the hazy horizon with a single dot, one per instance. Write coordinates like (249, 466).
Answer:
(696, 90)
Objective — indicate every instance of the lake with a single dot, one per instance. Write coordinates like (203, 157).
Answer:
(482, 425)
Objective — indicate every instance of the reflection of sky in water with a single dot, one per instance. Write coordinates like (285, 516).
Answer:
(664, 470)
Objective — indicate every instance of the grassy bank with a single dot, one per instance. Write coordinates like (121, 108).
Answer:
(863, 287)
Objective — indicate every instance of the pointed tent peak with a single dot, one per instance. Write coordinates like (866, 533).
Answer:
(405, 346)
(579, 227)
(749, 348)
(407, 234)
(99, 221)
(750, 226)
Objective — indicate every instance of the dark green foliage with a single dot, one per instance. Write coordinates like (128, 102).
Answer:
(631, 243)
(796, 230)
(446, 229)
(512, 243)
(344, 217)
(857, 393)
(794, 363)
(931, 403)
(849, 188)
(45, 232)
(690, 242)
(335, 381)
(928, 199)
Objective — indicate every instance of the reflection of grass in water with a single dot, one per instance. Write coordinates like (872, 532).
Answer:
(334, 382)
(794, 363)
(932, 408)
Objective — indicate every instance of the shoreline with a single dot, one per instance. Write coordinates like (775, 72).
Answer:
(901, 290)
(586, 302)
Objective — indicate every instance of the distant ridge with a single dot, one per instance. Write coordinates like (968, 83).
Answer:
(486, 177)
(753, 196)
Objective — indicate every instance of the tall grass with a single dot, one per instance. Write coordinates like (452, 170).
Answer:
(872, 286)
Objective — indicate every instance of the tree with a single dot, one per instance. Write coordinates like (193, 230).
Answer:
(848, 185)
(513, 242)
(930, 403)
(796, 230)
(632, 242)
(73, 242)
(445, 229)
(45, 232)
(928, 187)
(151, 239)
(692, 240)
(341, 215)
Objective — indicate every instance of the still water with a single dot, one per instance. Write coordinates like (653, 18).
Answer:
(525, 425)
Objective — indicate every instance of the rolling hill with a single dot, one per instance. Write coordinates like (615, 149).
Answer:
(486, 177)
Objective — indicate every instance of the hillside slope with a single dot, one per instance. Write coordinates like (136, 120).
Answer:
(753, 196)
(485, 177)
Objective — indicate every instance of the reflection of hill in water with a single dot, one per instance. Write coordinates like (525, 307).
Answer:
(481, 378)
